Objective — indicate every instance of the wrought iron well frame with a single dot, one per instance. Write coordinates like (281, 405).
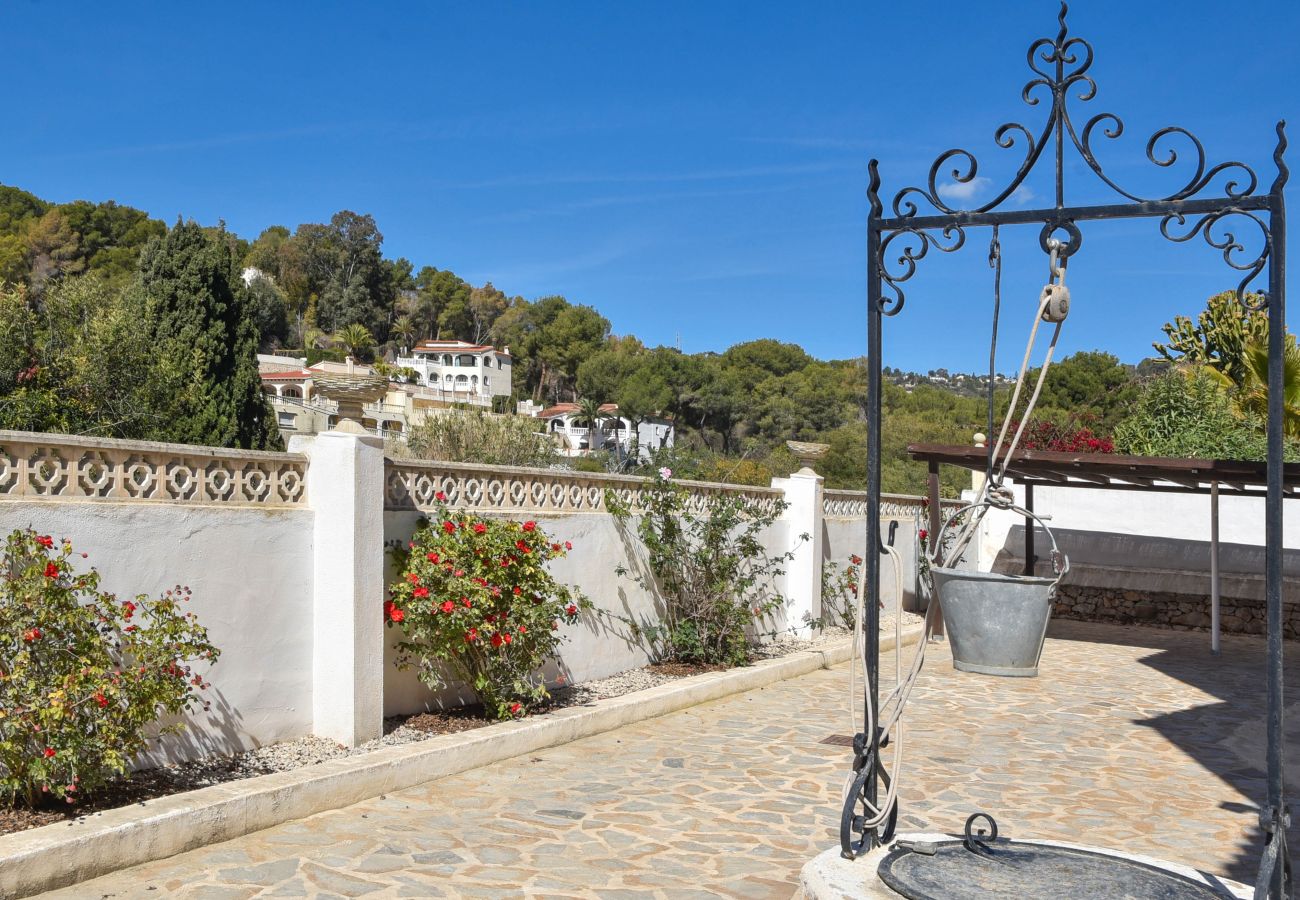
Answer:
(1060, 67)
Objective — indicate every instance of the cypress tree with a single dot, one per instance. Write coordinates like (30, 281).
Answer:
(201, 325)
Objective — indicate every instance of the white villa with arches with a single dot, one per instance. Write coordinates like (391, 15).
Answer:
(463, 372)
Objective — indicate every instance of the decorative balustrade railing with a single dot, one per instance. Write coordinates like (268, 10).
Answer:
(414, 485)
(838, 504)
(66, 467)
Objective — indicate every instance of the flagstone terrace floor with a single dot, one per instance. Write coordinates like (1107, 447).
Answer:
(1132, 738)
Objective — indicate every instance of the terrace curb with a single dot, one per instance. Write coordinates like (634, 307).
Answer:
(58, 855)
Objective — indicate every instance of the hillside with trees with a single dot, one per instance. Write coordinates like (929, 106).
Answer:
(120, 326)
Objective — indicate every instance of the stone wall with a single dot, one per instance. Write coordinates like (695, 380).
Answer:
(1186, 612)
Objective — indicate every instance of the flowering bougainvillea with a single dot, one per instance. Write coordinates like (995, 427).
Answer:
(475, 598)
(84, 675)
(1044, 434)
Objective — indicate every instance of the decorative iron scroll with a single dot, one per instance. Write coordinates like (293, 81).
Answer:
(505, 489)
(1060, 69)
(59, 467)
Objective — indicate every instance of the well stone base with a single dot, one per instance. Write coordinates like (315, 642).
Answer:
(829, 876)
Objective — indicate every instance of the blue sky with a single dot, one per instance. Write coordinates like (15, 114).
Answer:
(688, 169)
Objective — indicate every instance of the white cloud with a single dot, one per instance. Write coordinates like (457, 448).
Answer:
(964, 190)
(1022, 195)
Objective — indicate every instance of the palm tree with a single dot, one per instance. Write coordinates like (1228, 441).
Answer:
(1252, 394)
(589, 413)
(405, 331)
(356, 339)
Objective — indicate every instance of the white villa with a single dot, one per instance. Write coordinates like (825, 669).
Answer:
(459, 371)
(613, 433)
(448, 373)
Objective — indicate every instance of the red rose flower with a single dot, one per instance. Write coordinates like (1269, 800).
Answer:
(923, 534)
(517, 591)
(49, 752)
(568, 545)
(448, 606)
(471, 635)
(521, 545)
(507, 638)
(555, 548)
(32, 634)
(466, 602)
(529, 526)
(523, 629)
(505, 561)
(449, 527)
(101, 700)
(514, 708)
(51, 570)
(413, 578)
(481, 582)
(45, 541)
(420, 592)
(432, 557)
(398, 615)
(496, 640)
(479, 528)
(128, 609)
(460, 573)
(571, 609)
(440, 496)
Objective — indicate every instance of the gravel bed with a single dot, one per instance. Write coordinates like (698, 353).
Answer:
(308, 751)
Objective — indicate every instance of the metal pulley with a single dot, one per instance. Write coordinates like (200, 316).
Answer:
(1055, 300)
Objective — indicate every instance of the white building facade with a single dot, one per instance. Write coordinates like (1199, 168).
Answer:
(461, 372)
(613, 433)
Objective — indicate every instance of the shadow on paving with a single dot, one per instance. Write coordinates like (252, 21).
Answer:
(1227, 738)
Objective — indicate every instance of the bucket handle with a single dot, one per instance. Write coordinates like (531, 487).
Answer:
(1060, 562)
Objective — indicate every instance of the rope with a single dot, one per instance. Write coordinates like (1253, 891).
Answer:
(891, 710)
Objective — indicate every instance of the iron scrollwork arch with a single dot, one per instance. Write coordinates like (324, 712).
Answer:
(1060, 67)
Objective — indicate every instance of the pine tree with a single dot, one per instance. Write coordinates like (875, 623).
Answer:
(200, 321)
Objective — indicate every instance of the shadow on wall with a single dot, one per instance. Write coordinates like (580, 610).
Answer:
(1226, 737)
(217, 732)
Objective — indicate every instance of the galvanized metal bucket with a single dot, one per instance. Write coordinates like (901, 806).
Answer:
(996, 623)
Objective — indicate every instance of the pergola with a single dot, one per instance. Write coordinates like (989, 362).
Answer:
(1115, 472)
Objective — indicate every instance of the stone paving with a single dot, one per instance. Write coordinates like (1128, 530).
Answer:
(1134, 738)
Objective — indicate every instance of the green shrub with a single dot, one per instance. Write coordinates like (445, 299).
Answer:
(475, 597)
(479, 437)
(707, 563)
(83, 675)
(1187, 412)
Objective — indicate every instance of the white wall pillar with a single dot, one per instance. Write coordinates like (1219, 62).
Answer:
(803, 573)
(345, 489)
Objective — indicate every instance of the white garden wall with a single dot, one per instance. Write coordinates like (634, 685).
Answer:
(233, 526)
(284, 554)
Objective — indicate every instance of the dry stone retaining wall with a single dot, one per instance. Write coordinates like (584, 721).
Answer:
(1186, 612)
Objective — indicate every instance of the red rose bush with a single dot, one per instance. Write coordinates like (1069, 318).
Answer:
(84, 676)
(475, 600)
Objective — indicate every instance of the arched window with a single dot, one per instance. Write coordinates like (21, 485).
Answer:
(461, 382)
(446, 359)
(465, 359)
(292, 390)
